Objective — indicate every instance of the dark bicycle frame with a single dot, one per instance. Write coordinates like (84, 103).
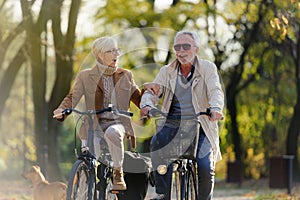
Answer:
(88, 155)
(186, 167)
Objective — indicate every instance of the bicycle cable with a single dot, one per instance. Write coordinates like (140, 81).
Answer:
(75, 135)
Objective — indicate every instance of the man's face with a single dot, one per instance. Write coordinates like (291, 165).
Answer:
(185, 49)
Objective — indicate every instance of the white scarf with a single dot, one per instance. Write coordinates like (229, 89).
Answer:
(106, 70)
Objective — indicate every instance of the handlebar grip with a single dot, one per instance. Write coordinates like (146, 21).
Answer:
(61, 115)
(154, 112)
(130, 114)
(67, 111)
(208, 112)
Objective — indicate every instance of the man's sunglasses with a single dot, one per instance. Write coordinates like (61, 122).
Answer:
(185, 47)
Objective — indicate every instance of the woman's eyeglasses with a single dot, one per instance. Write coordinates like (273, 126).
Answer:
(114, 51)
(185, 47)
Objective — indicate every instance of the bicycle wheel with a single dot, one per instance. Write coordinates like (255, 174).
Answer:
(175, 192)
(81, 184)
(189, 183)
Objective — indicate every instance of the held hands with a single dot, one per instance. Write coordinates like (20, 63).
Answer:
(153, 89)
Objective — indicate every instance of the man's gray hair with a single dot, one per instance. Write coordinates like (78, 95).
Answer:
(193, 34)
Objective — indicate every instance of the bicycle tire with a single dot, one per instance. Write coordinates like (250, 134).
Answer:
(194, 173)
(92, 193)
(81, 184)
(189, 184)
(183, 186)
(175, 191)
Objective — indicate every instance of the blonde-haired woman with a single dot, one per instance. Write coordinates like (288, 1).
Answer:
(101, 85)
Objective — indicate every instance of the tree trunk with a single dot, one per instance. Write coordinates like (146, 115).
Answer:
(46, 139)
(9, 77)
(64, 48)
(294, 128)
(38, 91)
(292, 140)
(235, 135)
(53, 150)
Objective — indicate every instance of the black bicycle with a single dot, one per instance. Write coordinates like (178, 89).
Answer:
(180, 153)
(82, 183)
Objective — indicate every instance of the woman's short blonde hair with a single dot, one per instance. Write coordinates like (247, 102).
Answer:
(102, 44)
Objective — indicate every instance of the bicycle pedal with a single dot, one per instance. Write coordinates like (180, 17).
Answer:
(121, 192)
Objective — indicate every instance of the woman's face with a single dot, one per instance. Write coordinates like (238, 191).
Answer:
(110, 57)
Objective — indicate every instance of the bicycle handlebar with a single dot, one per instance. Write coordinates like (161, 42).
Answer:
(68, 111)
(154, 112)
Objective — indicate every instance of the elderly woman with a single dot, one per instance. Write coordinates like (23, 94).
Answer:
(102, 85)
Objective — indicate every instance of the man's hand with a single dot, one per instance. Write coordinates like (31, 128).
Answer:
(215, 116)
(144, 111)
(153, 88)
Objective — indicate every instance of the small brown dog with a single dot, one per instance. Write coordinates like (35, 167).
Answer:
(42, 189)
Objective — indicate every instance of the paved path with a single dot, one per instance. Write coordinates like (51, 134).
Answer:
(218, 195)
(249, 190)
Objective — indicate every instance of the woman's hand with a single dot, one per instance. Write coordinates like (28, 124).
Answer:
(58, 113)
(153, 88)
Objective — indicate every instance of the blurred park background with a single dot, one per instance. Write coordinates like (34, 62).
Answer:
(254, 43)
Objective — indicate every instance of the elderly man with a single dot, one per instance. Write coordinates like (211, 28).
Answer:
(187, 86)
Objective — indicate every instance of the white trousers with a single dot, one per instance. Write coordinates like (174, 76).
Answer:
(114, 136)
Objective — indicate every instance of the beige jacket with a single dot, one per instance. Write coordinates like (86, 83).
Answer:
(206, 92)
(89, 85)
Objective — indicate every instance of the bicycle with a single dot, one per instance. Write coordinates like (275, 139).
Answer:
(82, 180)
(183, 165)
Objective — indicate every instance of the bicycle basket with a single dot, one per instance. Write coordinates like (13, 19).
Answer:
(182, 143)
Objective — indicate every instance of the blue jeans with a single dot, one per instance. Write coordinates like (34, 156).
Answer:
(204, 159)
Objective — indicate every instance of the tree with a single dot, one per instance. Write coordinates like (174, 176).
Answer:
(247, 35)
(286, 23)
(10, 72)
(34, 51)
